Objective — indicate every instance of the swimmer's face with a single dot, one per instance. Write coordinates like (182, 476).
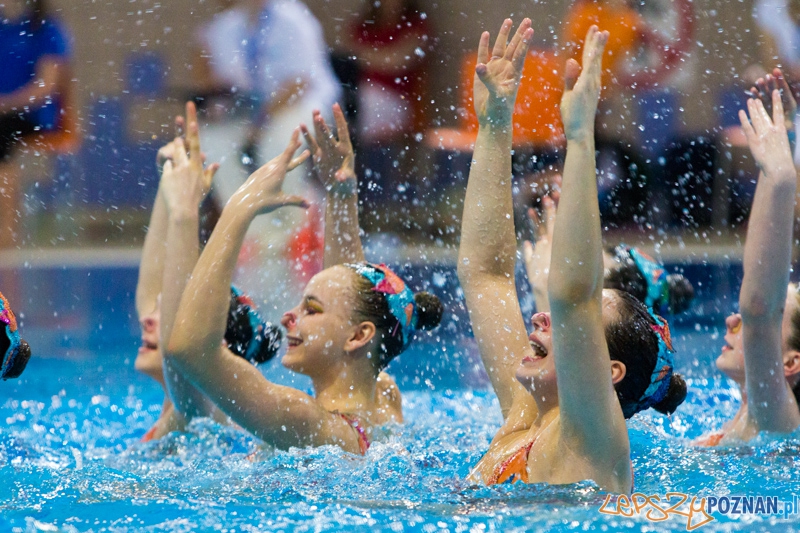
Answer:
(149, 360)
(537, 370)
(14, 10)
(731, 360)
(319, 327)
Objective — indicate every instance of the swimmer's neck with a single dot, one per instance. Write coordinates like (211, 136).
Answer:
(546, 406)
(350, 389)
(548, 412)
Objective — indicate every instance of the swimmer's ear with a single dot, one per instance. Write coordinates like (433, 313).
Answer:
(618, 371)
(361, 335)
(791, 363)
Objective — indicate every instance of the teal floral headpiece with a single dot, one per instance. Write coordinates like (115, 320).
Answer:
(399, 297)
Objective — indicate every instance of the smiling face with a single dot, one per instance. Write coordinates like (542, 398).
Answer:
(537, 371)
(149, 360)
(731, 360)
(319, 327)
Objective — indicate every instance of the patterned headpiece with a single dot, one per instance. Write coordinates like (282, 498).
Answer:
(662, 373)
(16, 351)
(246, 333)
(653, 272)
(397, 294)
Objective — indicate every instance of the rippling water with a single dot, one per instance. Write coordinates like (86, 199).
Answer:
(70, 460)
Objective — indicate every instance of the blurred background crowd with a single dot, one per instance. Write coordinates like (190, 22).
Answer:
(89, 90)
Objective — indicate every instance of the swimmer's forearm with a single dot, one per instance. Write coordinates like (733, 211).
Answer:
(768, 248)
(488, 244)
(151, 268)
(342, 232)
(201, 318)
(576, 267)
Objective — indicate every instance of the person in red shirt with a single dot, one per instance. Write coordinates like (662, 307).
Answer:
(390, 44)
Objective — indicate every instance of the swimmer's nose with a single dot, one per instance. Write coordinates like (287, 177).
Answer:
(148, 324)
(541, 321)
(734, 323)
(288, 320)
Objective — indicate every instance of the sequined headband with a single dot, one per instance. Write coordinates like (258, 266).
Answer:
(398, 296)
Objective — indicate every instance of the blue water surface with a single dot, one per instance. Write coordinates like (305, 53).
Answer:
(71, 460)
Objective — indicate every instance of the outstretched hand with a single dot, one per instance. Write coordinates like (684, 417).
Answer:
(263, 190)
(184, 181)
(497, 78)
(772, 82)
(767, 137)
(334, 160)
(582, 88)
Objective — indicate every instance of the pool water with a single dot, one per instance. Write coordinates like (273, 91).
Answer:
(70, 460)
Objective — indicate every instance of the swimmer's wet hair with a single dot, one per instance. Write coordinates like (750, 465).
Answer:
(372, 306)
(632, 341)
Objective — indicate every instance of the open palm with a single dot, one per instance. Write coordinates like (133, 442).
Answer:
(582, 91)
(497, 77)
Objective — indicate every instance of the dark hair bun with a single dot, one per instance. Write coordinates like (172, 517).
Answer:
(429, 310)
(240, 335)
(675, 395)
(270, 338)
(681, 293)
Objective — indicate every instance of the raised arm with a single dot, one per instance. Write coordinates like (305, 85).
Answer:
(281, 416)
(151, 267)
(591, 417)
(334, 165)
(537, 254)
(487, 254)
(184, 185)
(767, 257)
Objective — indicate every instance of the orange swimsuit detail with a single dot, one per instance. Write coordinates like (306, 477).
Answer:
(151, 433)
(513, 469)
(712, 439)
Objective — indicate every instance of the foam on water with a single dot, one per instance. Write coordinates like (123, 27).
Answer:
(70, 460)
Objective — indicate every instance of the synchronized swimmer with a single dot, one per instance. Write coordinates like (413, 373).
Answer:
(599, 351)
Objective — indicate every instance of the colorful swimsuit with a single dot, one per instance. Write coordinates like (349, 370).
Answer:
(513, 469)
(363, 440)
(150, 435)
(712, 439)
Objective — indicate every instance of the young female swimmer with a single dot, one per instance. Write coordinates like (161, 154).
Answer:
(352, 320)
(762, 351)
(170, 247)
(564, 400)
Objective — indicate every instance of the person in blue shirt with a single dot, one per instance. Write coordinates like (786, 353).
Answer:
(34, 54)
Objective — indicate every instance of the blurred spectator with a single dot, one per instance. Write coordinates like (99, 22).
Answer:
(267, 67)
(272, 55)
(34, 53)
(390, 44)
